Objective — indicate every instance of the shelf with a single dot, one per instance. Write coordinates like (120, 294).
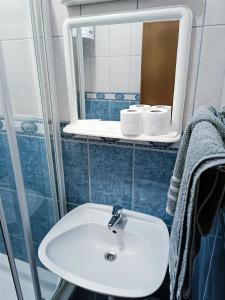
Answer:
(78, 2)
(111, 129)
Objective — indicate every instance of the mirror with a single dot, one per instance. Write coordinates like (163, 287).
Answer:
(127, 64)
(118, 60)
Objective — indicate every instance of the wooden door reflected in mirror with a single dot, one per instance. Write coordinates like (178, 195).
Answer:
(158, 66)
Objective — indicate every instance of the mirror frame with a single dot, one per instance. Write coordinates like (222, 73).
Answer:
(181, 13)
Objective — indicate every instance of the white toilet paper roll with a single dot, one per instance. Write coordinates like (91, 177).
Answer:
(157, 121)
(164, 106)
(142, 107)
(131, 121)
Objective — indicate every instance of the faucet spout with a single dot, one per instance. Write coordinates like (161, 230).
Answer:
(117, 217)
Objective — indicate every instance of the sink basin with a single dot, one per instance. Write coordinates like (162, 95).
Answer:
(129, 263)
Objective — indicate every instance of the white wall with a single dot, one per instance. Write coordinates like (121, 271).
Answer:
(207, 61)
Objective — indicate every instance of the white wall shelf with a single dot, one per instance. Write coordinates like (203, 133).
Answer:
(78, 2)
(111, 129)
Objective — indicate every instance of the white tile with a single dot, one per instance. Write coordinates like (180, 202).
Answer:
(197, 7)
(60, 74)
(119, 74)
(100, 45)
(87, 74)
(215, 12)
(212, 67)
(21, 76)
(192, 73)
(120, 42)
(108, 7)
(58, 14)
(135, 74)
(100, 74)
(15, 19)
(136, 38)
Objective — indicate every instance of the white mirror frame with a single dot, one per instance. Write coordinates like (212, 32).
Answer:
(181, 13)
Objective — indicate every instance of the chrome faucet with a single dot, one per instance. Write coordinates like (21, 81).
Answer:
(117, 217)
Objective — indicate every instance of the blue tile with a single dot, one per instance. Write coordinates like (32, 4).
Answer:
(115, 108)
(111, 174)
(215, 288)
(100, 109)
(75, 159)
(34, 165)
(88, 109)
(152, 173)
(6, 170)
(40, 211)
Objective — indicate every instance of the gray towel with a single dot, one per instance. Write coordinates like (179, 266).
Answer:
(202, 147)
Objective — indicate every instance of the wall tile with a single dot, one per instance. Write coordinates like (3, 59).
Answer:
(136, 38)
(212, 68)
(19, 60)
(111, 174)
(108, 7)
(135, 74)
(100, 109)
(60, 74)
(119, 73)
(100, 74)
(40, 211)
(75, 161)
(100, 45)
(15, 22)
(120, 42)
(59, 13)
(197, 7)
(192, 73)
(6, 174)
(34, 165)
(215, 288)
(88, 104)
(152, 173)
(214, 13)
(115, 108)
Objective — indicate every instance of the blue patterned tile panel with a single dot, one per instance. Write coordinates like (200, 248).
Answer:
(34, 165)
(40, 211)
(152, 173)
(100, 110)
(75, 160)
(6, 170)
(88, 109)
(111, 174)
(115, 108)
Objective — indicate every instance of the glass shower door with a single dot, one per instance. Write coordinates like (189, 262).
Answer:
(27, 180)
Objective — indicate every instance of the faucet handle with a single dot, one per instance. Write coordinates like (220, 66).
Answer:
(116, 209)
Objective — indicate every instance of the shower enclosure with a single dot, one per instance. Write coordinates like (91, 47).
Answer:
(32, 194)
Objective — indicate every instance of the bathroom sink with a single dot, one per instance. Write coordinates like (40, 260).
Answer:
(129, 261)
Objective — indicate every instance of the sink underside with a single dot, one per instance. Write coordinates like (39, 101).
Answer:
(76, 249)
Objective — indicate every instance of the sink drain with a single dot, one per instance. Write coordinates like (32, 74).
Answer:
(110, 256)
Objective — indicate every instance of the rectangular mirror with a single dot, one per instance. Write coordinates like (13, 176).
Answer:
(115, 61)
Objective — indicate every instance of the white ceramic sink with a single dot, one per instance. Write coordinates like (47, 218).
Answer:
(75, 250)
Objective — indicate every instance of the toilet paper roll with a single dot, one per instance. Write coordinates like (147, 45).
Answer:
(131, 121)
(142, 107)
(164, 106)
(157, 121)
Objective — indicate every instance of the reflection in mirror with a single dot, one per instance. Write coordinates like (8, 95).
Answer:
(127, 64)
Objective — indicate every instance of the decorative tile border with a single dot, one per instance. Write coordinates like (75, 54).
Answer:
(29, 126)
(112, 96)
